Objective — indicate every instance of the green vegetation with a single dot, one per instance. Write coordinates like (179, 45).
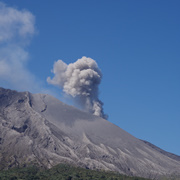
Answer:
(61, 172)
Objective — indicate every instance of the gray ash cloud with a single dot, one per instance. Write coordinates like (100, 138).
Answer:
(81, 81)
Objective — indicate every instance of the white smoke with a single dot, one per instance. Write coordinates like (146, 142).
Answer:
(16, 29)
(15, 23)
(80, 80)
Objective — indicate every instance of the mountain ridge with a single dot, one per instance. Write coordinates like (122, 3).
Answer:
(40, 128)
(169, 154)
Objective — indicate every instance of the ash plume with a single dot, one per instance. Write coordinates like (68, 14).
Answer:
(80, 80)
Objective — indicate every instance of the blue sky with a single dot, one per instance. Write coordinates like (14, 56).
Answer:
(136, 45)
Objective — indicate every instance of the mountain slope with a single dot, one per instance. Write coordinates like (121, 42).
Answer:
(39, 128)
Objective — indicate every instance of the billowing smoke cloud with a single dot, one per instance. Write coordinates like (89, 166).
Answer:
(80, 80)
(16, 30)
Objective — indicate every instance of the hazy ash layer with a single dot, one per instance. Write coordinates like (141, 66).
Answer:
(17, 27)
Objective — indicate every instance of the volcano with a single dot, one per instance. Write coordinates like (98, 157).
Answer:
(40, 129)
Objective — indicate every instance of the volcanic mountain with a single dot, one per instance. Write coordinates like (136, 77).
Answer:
(38, 128)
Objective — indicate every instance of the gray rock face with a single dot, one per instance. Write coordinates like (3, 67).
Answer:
(37, 128)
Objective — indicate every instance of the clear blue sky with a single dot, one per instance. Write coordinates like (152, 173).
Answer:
(137, 47)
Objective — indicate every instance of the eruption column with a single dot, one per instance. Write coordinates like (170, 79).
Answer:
(80, 80)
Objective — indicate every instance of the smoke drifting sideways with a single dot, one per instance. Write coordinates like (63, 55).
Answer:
(81, 81)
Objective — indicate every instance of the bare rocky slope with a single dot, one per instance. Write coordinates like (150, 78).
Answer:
(38, 128)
